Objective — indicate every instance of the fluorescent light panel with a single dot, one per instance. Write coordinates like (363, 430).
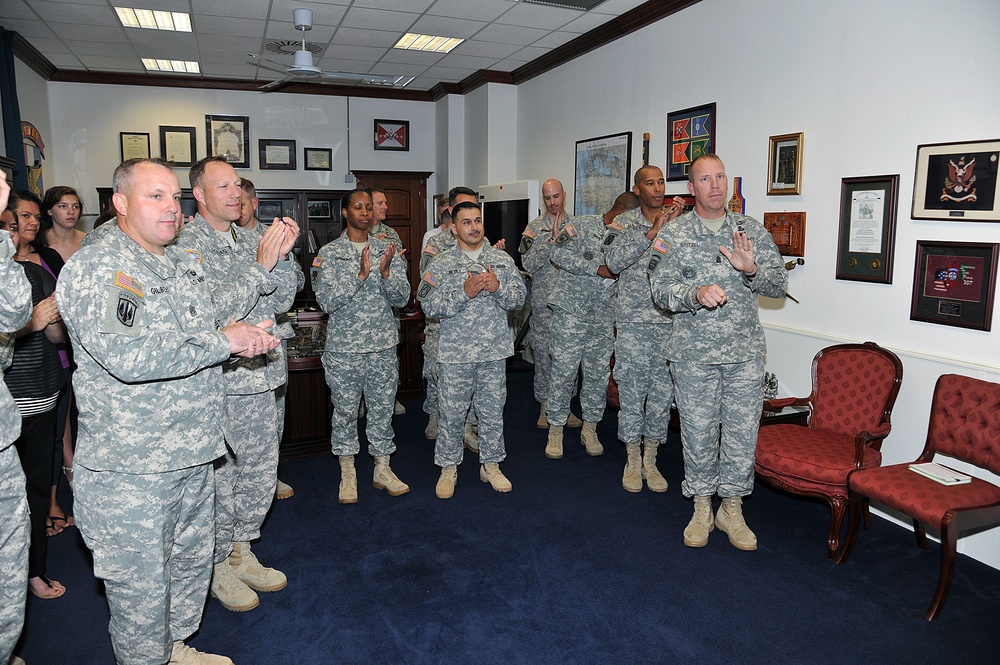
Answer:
(153, 19)
(430, 43)
(179, 66)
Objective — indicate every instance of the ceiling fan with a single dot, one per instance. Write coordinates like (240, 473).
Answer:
(304, 69)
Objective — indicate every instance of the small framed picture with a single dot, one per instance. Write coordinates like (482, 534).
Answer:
(134, 145)
(269, 209)
(954, 283)
(276, 154)
(784, 164)
(318, 159)
(392, 135)
(867, 228)
(178, 145)
(690, 132)
(319, 209)
(788, 229)
(229, 136)
(957, 182)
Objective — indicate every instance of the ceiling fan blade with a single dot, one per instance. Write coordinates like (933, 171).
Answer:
(354, 76)
(274, 85)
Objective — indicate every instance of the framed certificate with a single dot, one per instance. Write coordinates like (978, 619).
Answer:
(178, 145)
(867, 228)
(134, 145)
(229, 137)
(318, 159)
(276, 154)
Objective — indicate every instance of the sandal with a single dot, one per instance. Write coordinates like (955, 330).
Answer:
(51, 528)
(47, 582)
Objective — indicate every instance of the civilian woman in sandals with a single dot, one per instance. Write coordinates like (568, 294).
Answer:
(35, 378)
(61, 210)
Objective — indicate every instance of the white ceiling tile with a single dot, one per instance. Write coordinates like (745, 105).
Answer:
(104, 62)
(361, 37)
(585, 23)
(162, 5)
(371, 53)
(396, 69)
(92, 33)
(97, 48)
(221, 25)
(29, 29)
(320, 34)
(240, 71)
(17, 9)
(244, 8)
(163, 39)
(449, 74)
(50, 46)
(529, 53)
(480, 10)
(539, 16)
(360, 17)
(447, 27)
(467, 61)
(396, 5)
(510, 34)
(616, 7)
(61, 60)
(555, 39)
(234, 44)
(486, 49)
(411, 57)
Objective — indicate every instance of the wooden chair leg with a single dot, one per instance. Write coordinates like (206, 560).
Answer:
(949, 541)
(837, 509)
(853, 526)
(868, 514)
(921, 534)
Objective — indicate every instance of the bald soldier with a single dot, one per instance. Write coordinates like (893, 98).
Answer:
(536, 254)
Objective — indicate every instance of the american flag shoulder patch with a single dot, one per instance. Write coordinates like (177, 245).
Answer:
(431, 249)
(124, 281)
(431, 279)
(661, 246)
(195, 254)
(529, 233)
(616, 225)
(317, 262)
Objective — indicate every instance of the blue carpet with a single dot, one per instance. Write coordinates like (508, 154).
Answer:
(567, 568)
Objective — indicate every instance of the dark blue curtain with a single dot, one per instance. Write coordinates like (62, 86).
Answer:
(14, 144)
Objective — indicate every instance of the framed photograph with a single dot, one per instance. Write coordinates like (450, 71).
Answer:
(318, 159)
(954, 283)
(178, 145)
(276, 154)
(602, 172)
(788, 229)
(690, 132)
(392, 135)
(784, 164)
(319, 210)
(867, 228)
(134, 145)
(229, 136)
(269, 209)
(957, 181)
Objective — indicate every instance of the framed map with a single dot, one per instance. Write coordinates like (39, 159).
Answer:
(603, 171)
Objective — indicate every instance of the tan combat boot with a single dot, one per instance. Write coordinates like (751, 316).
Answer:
(588, 437)
(701, 524)
(543, 418)
(445, 488)
(431, 431)
(470, 438)
(182, 654)
(632, 478)
(730, 521)
(231, 591)
(490, 473)
(283, 491)
(252, 573)
(654, 480)
(385, 479)
(348, 480)
(553, 447)
(573, 421)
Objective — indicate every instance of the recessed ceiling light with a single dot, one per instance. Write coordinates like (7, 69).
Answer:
(431, 43)
(180, 66)
(154, 19)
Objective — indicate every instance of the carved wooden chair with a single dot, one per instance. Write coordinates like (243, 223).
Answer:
(854, 387)
(964, 425)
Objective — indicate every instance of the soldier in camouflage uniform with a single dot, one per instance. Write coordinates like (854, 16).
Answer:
(536, 255)
(583, 323)
(645, 390)
(717, 349)
(15, 311)
(361, 278)
(277, 366)
(435, 245)
(245, 479)
(149, 341)
(471, 288)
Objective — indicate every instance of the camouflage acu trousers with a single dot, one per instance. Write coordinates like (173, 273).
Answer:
(246, 475)
(485, 386)
(349, 375)
(574, 342)
(539, 331)
(151, 535)
(430, 349)
(645, 390)
(708, 396)
(13, 551)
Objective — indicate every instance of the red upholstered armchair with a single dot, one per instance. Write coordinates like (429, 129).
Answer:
(854, 387)
(965, 425)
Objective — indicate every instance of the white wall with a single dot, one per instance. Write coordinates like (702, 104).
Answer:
(866, 81)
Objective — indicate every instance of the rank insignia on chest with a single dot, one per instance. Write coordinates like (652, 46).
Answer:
(661, 246)
(125, 282)
(317, 262)
(195, 254)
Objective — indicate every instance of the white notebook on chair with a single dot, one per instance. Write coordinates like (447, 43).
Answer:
(940, 474)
